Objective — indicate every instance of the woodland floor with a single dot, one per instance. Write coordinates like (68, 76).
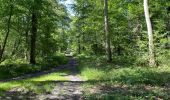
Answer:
(74, 87)
(69, 89)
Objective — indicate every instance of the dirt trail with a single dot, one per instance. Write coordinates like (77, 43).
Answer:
(63, 90)
(70, 89)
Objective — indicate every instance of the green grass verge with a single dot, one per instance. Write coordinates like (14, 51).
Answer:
(41, 84)
(123, 81)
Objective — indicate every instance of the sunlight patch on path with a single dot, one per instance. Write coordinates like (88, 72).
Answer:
(70, 89)
(57, 85)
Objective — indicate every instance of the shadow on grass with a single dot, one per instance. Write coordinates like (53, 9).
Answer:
(97, 91)
(125, 92)
(127, 74)
(144, 77)
(138, 84)
(120, 84)
(26, 71)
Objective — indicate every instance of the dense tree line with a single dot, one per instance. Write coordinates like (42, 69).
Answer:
(138, 31)
(126, 24)
(31, 29)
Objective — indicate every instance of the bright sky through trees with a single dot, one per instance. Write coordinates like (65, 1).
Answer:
(68, 4)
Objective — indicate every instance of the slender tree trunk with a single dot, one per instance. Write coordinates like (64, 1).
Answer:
(118, 50)
(107, 44)
(7, 33)
(83, 40)
(150, 35)
(168, 29)
(26, 42)
(79, 46)
(63, 38)
(16, 46)
(33, 36)
(83, 27)
(96, 44)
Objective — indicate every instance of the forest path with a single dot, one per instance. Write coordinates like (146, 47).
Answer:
(62, 90)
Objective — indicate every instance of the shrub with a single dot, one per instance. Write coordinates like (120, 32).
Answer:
(14, 68)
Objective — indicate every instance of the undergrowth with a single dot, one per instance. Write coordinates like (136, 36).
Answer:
(15, 68)
(124, 79)
(39, 84)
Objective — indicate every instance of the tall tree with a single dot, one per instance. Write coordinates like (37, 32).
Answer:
(8, 30)
(107, 34)
(34, 33)
(150, 35)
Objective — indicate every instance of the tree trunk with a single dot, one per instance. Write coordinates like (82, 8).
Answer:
(63, 39)
(16, 46)
(33, 36)
(150, 35)
(79, 46)
(26, 41)
(107, 44)
(7, 33)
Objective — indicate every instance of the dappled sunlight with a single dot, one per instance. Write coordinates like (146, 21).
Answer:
(128, 75)
(107, 81)
(123, 91)
(50, 77)
(30, 83)
(84, 50)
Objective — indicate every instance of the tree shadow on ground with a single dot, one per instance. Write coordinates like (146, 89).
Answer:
(145, 85)
(125, 92)
(13, 72)
(142, 84)
(123, 89)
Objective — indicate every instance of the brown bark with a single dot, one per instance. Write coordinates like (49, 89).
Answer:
(33, 36)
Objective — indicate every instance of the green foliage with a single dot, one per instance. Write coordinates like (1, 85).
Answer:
(51, 61)
(101, 71)
(17, 68)
(127, 28)
(122, 81)
(52, 28)
(94, 74)
(83, 35)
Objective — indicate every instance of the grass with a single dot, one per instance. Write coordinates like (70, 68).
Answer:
(41, 84)
(16, 68)
(153, 76)
(120, 80)
(44, 83)
(123, 81)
